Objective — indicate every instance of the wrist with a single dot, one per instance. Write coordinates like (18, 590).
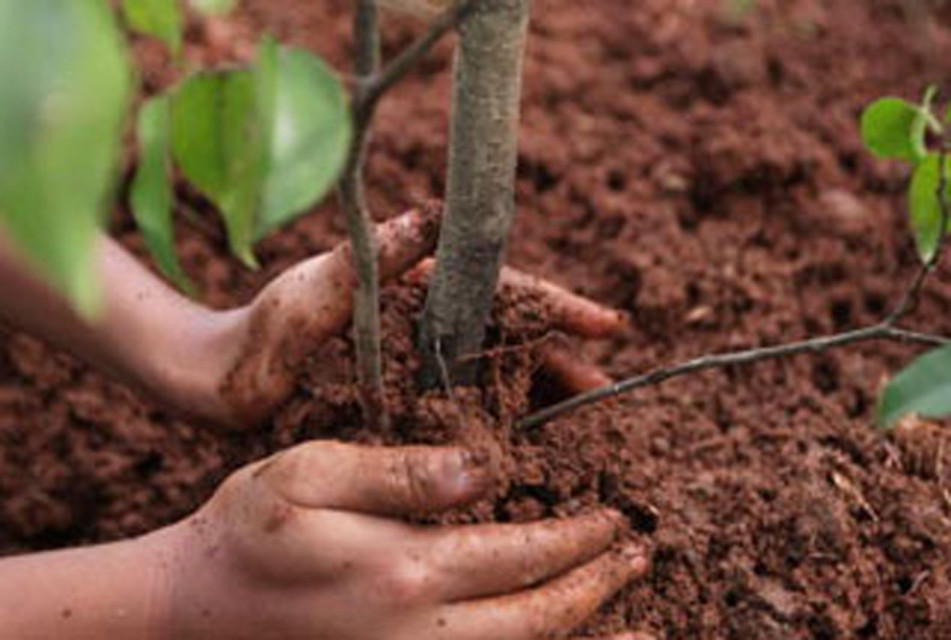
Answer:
(187, 368)
(117, 590)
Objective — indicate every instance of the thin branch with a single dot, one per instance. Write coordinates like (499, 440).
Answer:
(817, 345)
(371, 84)
(366, 299)
(886, 330)
(395, 70)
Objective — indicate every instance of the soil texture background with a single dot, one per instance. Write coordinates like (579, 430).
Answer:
(691, 162)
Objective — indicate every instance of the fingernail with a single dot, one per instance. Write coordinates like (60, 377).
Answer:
(634, 555)
(470, 470)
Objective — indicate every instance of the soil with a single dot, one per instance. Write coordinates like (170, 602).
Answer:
(692, 163)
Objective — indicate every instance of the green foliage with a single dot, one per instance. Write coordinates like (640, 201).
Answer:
(924, 207)
(214, 6)
(159, 18)
(894, 128)
(151, 192)
(924, 388)
(65, 83)
(262, 144)
(309, 134)
(217, 142)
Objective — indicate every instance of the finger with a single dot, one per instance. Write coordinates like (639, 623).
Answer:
(330, 278)
(406, 240)
(401, 243)
(377, 481)
(569, 312)
(478, 561)
(550, 610)
(574, 375)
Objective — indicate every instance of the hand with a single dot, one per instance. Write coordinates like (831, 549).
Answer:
(567, 312)
(305, 545)
(254, 360)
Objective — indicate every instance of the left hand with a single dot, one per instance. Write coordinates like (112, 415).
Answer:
(262, 346)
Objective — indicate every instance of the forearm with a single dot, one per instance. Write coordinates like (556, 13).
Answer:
(111, 591)
(147, 335)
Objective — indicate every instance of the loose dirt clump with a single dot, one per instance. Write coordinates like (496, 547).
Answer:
(693, 166)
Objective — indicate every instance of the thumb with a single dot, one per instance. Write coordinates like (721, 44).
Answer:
(402, 242)
(378, 481)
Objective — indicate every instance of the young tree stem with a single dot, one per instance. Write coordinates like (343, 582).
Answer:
(366, 303)
(371, 84)
(480, 200)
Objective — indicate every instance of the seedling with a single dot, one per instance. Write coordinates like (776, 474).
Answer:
(895, 129)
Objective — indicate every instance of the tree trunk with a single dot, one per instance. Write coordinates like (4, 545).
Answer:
(480, 199)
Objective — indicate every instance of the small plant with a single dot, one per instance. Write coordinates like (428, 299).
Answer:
(895, 129)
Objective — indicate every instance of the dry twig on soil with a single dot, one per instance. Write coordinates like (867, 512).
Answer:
(886, 329)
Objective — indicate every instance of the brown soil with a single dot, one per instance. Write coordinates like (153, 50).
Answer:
(698, 170)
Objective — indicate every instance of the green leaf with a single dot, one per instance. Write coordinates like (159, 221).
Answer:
(151, 192)
(309, 130)
(65, 80)
(893, 128)
(263, 145)
(924, 388)
(217, 142)
(214, 6)
(159, 18)
(923, 205)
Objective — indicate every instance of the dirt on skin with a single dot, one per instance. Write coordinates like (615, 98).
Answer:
(691, 162)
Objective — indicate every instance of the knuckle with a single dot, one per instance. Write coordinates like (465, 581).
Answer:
(404, 582)
(297, 465)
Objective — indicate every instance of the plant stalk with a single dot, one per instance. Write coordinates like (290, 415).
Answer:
(480, 199)
(366, 302)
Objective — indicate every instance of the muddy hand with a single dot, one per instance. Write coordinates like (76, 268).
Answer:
(303, 308)
(568, 312)
(311, 544)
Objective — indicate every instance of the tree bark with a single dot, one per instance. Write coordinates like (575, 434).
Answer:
(480, 199)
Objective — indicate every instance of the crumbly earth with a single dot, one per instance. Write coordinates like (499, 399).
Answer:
(692, 163)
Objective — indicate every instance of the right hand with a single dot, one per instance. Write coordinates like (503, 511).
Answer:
(310, 544)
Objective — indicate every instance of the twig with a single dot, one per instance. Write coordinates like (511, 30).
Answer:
(366, 299)
(704, 363)
(414, 53)
(887, 329)
(371, 85)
